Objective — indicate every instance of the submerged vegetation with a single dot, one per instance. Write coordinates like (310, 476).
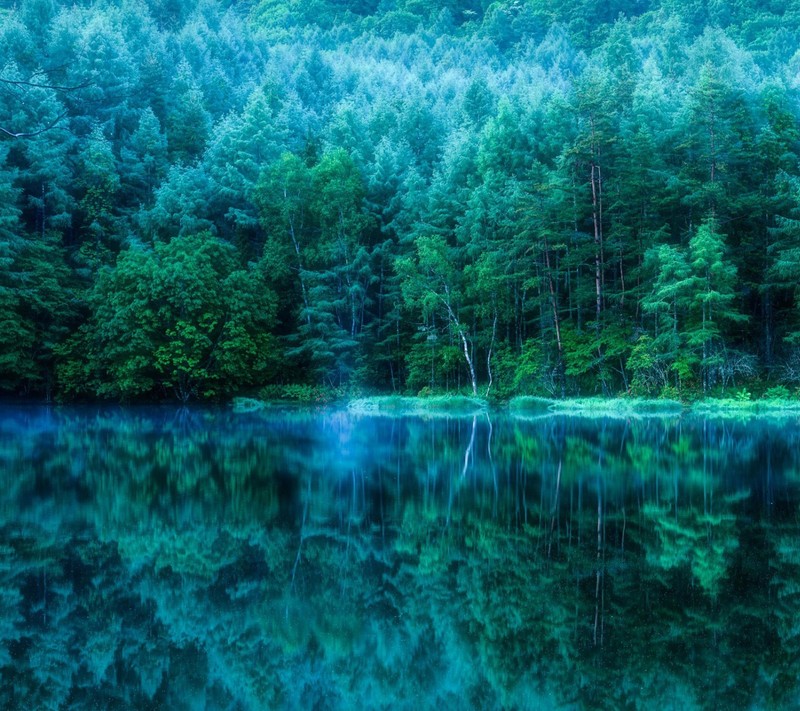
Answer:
(517, 197)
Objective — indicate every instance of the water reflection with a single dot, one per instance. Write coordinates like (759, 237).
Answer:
(201, 559)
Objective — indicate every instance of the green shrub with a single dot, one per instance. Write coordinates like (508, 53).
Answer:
(302, 393)
(778, 392)
(598, 406)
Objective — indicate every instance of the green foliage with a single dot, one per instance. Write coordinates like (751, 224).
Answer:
(496, 197)
(696, 286)
(647, 376)
(182, 318)
(302, 393)
(777, 392)
(37, 306)
(599, 407)
(746, 407)
(530, 367)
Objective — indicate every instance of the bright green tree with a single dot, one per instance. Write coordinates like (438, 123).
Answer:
(712, 300)
(182, 319)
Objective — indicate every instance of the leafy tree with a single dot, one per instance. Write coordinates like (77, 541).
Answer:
(339, 271)
(181, 318)
(431, 285)
(283, 194)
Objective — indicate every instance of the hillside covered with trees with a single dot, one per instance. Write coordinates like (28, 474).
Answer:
(202, 198)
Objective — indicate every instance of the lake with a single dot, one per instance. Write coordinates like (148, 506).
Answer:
(162, 558)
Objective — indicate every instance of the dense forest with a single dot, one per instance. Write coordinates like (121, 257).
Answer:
(522, 196)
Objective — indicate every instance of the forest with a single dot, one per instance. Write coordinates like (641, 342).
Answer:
(298, 197)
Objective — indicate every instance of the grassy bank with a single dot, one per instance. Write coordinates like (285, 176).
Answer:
(435, 404)
(377, 405)
(533, 406)
(746, 408)
(596, 407)
(641, 407)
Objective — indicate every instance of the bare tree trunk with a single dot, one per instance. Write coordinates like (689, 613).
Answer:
(300, 270)
(464, 342)
(469, 360)
(489, 354)
(598, 245)
(553, 303)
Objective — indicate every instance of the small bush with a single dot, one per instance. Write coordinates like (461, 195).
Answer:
(778, 392)
(670, 392)
(302, 393)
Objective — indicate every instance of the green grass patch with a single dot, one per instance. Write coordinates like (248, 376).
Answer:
(598, 407)
(733, 407)
(399, 405)
(302, 393)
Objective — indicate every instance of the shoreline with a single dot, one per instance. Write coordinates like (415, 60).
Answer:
(462, 405)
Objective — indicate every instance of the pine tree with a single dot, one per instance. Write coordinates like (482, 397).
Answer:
(712, 300)
(101, 183)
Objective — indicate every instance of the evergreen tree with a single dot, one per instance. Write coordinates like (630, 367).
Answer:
(101, 183)
(188, 123)
(143, 163)
(668, 301)
(712, 301)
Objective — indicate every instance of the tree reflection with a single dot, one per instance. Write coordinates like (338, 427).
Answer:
(289, 559)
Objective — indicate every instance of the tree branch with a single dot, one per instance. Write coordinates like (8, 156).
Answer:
(54, 87)
(30, 134)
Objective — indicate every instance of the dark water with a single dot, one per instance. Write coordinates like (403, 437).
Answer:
(184, 559)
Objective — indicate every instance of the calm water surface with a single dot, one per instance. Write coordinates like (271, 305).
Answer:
(196, 559)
